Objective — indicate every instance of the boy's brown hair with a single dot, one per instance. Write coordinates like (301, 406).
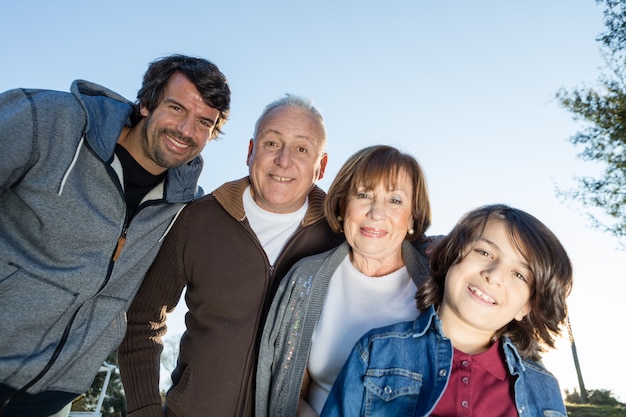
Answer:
(544, 254)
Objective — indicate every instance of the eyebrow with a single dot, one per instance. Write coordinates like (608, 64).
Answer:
(392, 191)
(495, 245)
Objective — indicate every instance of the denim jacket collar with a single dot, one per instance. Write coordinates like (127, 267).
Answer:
(428, 319)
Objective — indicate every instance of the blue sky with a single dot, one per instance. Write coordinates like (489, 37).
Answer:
(466, 87)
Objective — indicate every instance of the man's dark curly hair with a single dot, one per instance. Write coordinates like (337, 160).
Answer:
(544, 254)
(205, 75)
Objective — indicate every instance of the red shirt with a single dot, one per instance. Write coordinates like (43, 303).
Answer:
(479, 386)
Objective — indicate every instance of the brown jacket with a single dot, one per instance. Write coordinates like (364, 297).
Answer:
(212, 251)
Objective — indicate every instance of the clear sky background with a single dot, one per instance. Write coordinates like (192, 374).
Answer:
(466, 87)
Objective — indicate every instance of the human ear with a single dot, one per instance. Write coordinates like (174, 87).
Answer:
(250, 149)
(523, 312)
(410, 225)
(323, 163)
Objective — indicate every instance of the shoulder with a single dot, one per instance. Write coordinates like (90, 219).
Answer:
(530, 368)
(540, 385)
(84, 89)
(398, 340)
(417, 263)
(315, 262)
(310, 265)
(42, 121)
(230, 196)
(41, 101)
(317, 197)
(200, 204)
(401, 330)
(233, 188)
(312, 272)
(538, 369)
(315, 211)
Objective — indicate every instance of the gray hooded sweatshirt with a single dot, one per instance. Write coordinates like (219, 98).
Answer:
(63, 297)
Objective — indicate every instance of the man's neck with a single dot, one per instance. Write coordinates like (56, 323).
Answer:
(131, 139)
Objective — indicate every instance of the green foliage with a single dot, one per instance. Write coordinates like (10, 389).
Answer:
(579, 410)
(573, 397)
(114, 404)
(603, 138)
(602, 397)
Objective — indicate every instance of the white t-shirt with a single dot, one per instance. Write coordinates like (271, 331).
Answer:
(272, 229)
(355, 303)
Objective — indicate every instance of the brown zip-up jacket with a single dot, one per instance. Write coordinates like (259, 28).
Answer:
(213, 253)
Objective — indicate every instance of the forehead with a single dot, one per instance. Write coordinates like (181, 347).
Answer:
(292, 122)
(391, 177)
(501, 234)
(177, 83)
(181, 90)
(496, 231)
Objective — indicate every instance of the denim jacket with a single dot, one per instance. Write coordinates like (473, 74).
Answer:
(403, 369)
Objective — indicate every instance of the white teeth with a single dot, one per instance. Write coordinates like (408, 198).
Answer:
(177, 143)
(482, 295)
(281, 179)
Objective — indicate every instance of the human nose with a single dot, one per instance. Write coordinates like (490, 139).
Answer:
(494, 274)
(186, 126)
(376, 210)
(283, 157)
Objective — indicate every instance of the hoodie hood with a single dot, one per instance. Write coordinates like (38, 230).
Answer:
(100, 103)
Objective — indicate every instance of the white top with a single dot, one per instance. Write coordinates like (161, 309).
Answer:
(272, 229)
(354, 304)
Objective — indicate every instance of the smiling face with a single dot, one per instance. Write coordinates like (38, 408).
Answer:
(286, 159)
(376, 222)
(490, 286)
(176, 130)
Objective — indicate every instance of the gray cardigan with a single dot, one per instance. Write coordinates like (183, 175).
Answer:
(293, 316)
(62, 211)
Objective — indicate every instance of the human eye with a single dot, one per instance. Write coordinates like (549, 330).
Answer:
(302, 149)
(524, 274)
(206, 123)
(520, 276)
(395, 200)
(362, 194)
(482, 252)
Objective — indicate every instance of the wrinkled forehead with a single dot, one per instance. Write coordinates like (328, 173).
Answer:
(298, 120)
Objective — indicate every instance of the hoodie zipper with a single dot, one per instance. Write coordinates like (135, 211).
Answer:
(57, 351)
(121, 241)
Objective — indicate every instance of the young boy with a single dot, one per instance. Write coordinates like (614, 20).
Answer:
(496, 297)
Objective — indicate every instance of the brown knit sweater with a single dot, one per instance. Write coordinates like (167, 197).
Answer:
(211, 251)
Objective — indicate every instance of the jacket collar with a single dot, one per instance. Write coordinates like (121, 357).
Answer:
(513, 359)
(230, 196)
(416, 263)
(101, 103)
(428, 319)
